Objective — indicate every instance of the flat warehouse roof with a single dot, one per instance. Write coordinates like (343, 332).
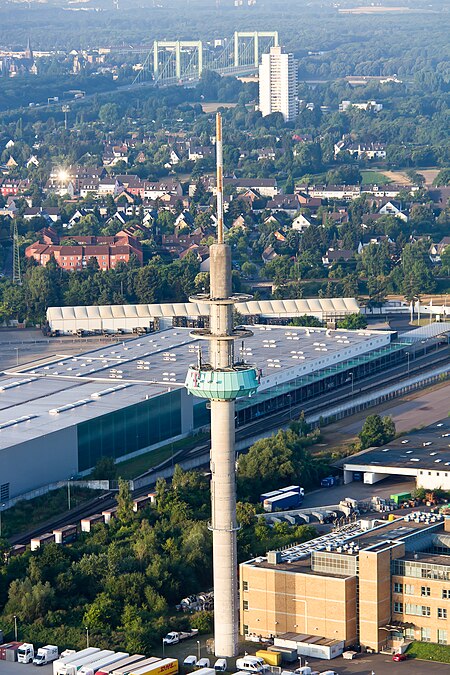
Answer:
(73, 389)
(426, 448)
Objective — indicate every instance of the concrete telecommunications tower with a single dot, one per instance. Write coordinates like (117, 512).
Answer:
(221, 381)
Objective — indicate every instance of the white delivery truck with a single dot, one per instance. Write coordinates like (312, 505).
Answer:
(251, 664)
(98, 664)
(46, 655)
(72, 667)
(25, 653)
(72, 656)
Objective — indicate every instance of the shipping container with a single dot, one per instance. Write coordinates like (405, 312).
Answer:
(93, 667)
(401, 497)
(123, 666)
(72, 658)
(287, 655)
(11, 652)
(141, 502)
(87, 523)
(4, 649)
(66, 534)
(271, 658)
(161, 667)
(109, 514)
(286, 500)
(39, 542)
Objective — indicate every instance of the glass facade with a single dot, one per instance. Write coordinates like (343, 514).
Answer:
(133, 428)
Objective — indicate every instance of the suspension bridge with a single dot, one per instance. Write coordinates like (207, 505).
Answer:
(184, 61)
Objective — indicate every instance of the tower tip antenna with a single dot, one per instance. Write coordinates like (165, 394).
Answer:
(219, 178)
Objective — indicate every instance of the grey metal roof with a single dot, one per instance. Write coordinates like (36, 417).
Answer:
(71, 389)
(428, 448)
(276, 308)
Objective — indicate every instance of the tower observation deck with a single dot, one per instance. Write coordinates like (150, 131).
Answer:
(222, 380)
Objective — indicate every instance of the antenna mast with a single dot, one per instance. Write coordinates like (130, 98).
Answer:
(17, 277)
(219, 178)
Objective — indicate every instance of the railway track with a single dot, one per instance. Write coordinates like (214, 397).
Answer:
(264, 424)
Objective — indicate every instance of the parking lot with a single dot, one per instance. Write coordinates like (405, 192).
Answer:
(377, 664)
(9, 668)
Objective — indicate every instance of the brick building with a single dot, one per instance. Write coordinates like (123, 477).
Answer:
(379, 583)
(109, 251)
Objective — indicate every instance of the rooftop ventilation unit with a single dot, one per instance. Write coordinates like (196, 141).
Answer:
(19, 420)
(18, 383)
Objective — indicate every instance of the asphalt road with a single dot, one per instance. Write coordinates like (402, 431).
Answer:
(417, 409)
(378, 664)
(357, 490)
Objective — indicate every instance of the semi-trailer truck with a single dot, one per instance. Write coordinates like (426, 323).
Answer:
(73, 656)
(46, 655)
(161, 667)
(122, 667)
(92, 668)
(25, 653)
(72, 667)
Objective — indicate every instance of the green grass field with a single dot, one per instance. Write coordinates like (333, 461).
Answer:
(134, 467)
(374, 177)
(429, 652)
(28, 513)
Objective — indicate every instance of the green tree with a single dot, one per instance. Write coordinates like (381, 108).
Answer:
(124, 502)
(376, 431)
(353, 322)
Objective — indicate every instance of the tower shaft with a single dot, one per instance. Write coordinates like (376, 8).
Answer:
(222, 381)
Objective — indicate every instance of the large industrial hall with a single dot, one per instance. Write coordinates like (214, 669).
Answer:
(58, 419)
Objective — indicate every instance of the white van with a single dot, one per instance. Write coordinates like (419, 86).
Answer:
(220, 665)
(251, 664)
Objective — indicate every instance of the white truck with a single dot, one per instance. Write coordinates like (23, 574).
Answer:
(104, 662)
(251, 664)
(72, 667)
(70, 656)
(173, 638)
(25, 653)
(46, 655)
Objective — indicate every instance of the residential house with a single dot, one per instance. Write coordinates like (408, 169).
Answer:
(376, 239)
(436, 250)
(288, 203)
(301, 222)
(333, 256)
(393, 208)
(269, 254)
(196, 152)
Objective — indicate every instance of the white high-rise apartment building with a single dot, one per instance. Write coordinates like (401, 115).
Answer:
(278, 84)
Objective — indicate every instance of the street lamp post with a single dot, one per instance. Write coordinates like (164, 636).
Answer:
(198, 650)
(87, 636)
(17, 355)
(15, 627)
(163, 646)
(353, 383)
(408, 355)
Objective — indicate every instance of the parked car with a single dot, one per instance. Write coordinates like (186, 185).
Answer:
(399, 657)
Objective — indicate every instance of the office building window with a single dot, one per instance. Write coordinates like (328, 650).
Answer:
(426, 611)
(245, 585)
(245, 604)
(4, 492)
(442, 636)
(442, 613)
(445, 593)
(245, 629)
(409, 633)
(398, 607)
(409, 589)
(398, 588)
(425, 591)
(425, 634)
